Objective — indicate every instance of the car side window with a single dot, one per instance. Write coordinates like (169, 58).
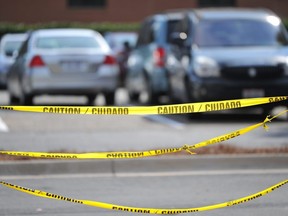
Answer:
(150, 33)
(181, 36)
(172, 27)
(146, 33)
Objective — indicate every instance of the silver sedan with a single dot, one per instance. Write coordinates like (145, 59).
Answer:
(9, 44)
(63, 62)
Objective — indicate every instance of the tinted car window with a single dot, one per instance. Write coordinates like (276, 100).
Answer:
(172, 27)
(146, 34)
(66, 42)
(218, 33)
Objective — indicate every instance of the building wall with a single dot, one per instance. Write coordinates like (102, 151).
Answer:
(280, 7)
(35, 11)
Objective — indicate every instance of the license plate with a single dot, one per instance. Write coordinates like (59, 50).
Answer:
(253, 93)
(74, 67)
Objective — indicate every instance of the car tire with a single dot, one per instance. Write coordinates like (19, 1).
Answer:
(148, 96)
(171, 96)
(134, 96)
(26, 99)
(266, 110)
(90, 100)
(190, 99)
(109, 98)
(13, 100)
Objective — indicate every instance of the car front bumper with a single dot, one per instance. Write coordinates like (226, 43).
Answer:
(222, 89)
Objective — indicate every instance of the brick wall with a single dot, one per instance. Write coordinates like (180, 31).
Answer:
(34, 11)
(280, 7)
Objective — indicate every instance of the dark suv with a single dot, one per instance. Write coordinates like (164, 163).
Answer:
(228, 54)
(146, 69)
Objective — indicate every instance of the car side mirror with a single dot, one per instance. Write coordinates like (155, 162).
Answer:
(178, 38)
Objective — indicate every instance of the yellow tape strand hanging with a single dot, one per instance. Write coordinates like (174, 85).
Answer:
(139, 154)
(149, 110)
(146, 210)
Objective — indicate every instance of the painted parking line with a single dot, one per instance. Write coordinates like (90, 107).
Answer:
(3, 126)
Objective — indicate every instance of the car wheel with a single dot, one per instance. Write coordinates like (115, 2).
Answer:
(90, 99)
(190, 99)
(148, 96)
(13, 100)
(266, 110)
(171, 95)
(109, 98)
(134, 96)
(26, 99)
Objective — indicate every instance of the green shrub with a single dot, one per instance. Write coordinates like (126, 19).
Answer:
(100, 27)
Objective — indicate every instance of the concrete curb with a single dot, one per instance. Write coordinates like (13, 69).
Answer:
(155, 164)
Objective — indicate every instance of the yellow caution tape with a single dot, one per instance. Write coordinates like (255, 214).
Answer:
(139, 154)
(145, 210)
(150, 110)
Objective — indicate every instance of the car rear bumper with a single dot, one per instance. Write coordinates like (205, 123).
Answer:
(43, 82)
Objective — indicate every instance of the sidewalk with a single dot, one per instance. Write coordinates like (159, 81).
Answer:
(145, 165)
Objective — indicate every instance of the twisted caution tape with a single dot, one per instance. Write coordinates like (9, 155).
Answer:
(139, 154)
(145, 210)
(150, 110)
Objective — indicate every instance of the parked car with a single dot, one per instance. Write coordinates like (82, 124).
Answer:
(9, 45)
(63, 62)
(229, 54)
(121, 44)
(146, 79)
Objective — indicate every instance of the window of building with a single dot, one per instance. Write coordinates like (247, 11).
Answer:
(217, 3)
(87, 3)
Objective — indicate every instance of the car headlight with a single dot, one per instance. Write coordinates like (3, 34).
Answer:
(206, 67)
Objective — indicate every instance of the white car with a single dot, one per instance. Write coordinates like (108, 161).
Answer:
(8, 45)
(63, 62)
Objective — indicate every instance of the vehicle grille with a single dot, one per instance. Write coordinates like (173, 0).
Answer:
(253, 72)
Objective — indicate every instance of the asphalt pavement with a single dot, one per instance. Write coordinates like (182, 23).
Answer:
(152, 183)
(172, 181)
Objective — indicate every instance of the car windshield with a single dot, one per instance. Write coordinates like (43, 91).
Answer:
(245, 32)
(66, 42)
(11, 46)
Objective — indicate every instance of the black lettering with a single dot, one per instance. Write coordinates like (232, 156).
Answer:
(63, 110)
(176, 109)
(110, 111)
(222, 106)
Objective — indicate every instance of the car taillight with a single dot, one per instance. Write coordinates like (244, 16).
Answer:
(159, 57)
(36, 62)
(109, 60)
